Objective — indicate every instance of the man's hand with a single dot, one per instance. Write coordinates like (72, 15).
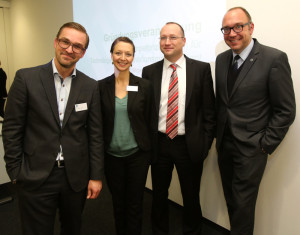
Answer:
(94, 189)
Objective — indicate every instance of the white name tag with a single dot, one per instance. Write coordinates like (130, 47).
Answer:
(80, 107)
(132, 88)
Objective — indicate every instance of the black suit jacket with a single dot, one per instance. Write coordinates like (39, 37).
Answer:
(261, 106)
(3, 77)
(32, 134)
(199, 107)
(138, 108)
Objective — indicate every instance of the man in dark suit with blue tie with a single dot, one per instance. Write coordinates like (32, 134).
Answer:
(255, 106)
(183, 128)
(52, 137)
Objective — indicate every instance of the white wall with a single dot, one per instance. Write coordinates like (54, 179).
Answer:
(3, 176)
(5, 39)
(34, 25)
(5, 64)
(27, 32)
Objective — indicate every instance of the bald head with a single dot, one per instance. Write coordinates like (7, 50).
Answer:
(238, 41)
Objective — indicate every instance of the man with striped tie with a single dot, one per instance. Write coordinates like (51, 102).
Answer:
(183, 128)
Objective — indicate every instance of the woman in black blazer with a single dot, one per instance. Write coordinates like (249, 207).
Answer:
(126, 103)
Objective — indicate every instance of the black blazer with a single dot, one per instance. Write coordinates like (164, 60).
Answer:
(138, 108)
(199, 107)
(32, 134)
(261, 106)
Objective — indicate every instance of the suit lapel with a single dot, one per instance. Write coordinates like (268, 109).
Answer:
(133, 81)
(226, 65)
(47, 79)
(190, 79)
(157, 77)
(111, 91)
(249, 62)
(74, 92)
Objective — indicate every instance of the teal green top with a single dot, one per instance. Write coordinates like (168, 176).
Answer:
(123, 142)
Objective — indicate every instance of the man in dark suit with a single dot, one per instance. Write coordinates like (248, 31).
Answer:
(255, 107)
(182, 133)
(3, 92)
(52, 137)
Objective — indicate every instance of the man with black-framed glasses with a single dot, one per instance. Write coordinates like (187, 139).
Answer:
(255, 106)
(52, 137)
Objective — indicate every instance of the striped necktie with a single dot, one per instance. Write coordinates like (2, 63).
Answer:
(172, 112)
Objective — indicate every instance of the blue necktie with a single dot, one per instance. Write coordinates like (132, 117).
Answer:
(235, 63)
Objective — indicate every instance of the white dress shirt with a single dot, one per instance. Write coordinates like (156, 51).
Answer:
(163, 107)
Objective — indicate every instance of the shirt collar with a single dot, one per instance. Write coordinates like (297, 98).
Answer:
(180, 62)
(244, 54)
(55, 71)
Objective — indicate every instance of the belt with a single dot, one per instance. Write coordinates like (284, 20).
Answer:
(167, 137)
(60, 163)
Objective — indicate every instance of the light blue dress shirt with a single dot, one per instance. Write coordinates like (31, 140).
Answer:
(62, 88)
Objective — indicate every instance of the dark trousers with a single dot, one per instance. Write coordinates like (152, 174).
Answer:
(241, 176)
(38, 207)
(175, 152)
(126, 179)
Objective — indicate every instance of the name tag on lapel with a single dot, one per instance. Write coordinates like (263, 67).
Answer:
(80, 107)
(132, 88)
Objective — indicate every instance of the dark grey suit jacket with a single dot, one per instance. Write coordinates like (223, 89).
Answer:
(138, 108)
(199, 107)
(261, 106)
(32, 134)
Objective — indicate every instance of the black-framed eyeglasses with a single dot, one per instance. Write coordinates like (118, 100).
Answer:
(237, 28)
(171, 38)
(76, 48)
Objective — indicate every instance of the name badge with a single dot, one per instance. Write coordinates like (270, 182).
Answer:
(80, 107)
(132, 88)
